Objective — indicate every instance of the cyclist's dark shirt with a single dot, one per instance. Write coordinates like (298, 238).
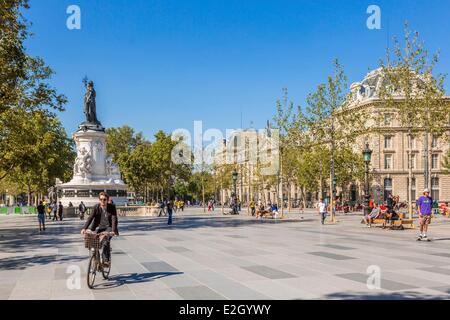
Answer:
(104, 222)
(94, 219)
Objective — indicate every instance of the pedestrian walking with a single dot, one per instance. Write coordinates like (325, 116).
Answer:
(170, 212)
(60, 211)
(81, 210)
(253, 207)
(424, 205)
(161, 209)
(49, 210)
(209, 205)
(41, 216)
(322, 209)
(55, 211)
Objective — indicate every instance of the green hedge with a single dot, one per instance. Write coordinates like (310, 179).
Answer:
(17, 210)
(4, 210)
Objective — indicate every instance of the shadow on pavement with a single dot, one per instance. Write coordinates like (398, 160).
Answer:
(406, 295)
(440, 239)
(22, 262)
(192, 222)
(130, 278)
(29, 239)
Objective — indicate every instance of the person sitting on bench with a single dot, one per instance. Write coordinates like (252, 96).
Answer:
(374, 214)
(274, 209)
(260, 212)
(391, 216)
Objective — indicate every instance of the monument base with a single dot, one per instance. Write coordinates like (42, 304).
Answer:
(89, 193)
(93, 171)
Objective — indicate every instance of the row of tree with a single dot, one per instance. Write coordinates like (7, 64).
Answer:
(34, 147)
(317, 140)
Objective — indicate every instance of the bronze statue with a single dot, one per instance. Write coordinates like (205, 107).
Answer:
(89, 104)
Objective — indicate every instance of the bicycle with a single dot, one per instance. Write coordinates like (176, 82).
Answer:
(96, 264)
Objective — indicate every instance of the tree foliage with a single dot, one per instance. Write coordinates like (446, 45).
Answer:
(24, 90)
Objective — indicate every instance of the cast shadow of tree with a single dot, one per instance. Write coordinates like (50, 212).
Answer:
(29, 239)
(193, 222)
(23, 262)
(404, 295)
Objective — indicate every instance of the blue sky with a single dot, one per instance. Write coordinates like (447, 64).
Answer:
(163, 64)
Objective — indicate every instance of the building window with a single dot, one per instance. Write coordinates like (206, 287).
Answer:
(435, 188)
(388, 161)
(434, 142)
(388, 119)
(434, 161)
(387, 142)
(412, 162)
(412, 142)
(387, 188)
(412, 196)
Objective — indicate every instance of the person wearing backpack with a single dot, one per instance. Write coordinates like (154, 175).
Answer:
(60, 211)
(82, 210)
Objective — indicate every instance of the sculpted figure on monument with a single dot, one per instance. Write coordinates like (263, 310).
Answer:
(83, 163)
(112, 169)
(89, 104)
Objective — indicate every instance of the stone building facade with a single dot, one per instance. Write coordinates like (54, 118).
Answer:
(389, 173)
(394, 150)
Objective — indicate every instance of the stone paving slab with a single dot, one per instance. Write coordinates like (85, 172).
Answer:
(210, 256)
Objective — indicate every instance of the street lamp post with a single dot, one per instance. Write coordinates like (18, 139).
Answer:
(367, 153)
(235, 176)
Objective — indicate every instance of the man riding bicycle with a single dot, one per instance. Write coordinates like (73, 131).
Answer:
(103, 219)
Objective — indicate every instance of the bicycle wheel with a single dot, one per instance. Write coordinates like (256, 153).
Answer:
(91, 271)
(106, 269)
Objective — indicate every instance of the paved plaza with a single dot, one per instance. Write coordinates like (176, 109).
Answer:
(212, 256)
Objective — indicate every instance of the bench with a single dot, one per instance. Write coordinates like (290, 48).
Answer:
(268, 214)
(406, 223)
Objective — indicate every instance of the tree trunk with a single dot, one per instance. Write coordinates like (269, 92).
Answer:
(203, 194)
(289, 197)
(304, 197)
(29, 195)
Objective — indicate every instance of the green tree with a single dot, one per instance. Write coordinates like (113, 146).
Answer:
(446, 163)
(414, 94)
(121, 141)
(137, 168)
(24, 88)
(51, 156)
(332, 121)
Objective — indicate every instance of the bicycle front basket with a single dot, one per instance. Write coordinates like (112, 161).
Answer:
(91, 241)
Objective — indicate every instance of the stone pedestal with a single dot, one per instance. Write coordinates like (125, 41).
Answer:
(93, 172)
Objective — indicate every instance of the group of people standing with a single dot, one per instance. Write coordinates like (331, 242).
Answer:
(167, 208)
(54, 208)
